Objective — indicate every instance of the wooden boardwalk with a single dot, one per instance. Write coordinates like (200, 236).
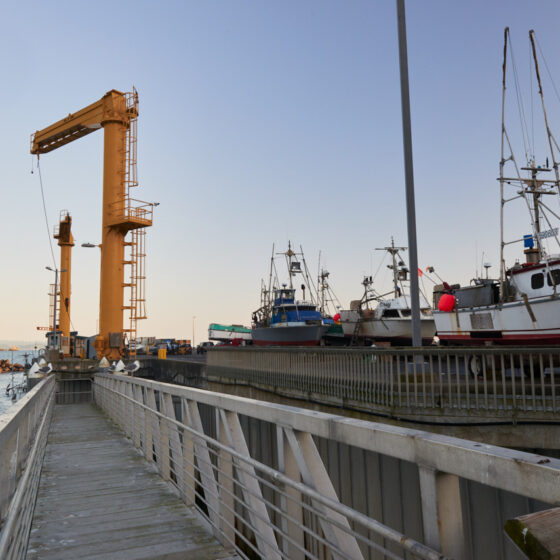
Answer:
(99, 499)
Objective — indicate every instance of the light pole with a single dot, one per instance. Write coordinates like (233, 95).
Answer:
(409, 178)
(194, 317)
(56, 271)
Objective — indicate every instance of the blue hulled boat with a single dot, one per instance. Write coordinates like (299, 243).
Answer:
(282, 320)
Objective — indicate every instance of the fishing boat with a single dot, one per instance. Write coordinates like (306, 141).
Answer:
(227, 333)
(522, 306)
(386, 318)
(281, 320)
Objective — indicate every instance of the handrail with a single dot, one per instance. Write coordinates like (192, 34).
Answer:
(120, 396)
(23, 437)
(196, 439)
(471, 384)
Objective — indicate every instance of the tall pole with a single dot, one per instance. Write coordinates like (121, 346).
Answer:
(194, 317)
(409, 178)
(55, 298)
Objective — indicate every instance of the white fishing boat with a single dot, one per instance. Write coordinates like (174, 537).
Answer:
(522, 306)
(382, 318)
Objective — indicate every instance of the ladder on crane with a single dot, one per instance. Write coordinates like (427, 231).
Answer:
(54, 293)
(135, 244)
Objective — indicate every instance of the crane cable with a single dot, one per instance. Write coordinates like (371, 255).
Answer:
(46, 218)
(45, 211)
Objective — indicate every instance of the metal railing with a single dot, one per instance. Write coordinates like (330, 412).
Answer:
(269, 492)
(488, 382)
(23, 438)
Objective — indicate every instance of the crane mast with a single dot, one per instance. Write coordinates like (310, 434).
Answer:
(63, 233)
(116, 113)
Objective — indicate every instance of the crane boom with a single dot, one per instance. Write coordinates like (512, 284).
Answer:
(111, 107)
(116, 113)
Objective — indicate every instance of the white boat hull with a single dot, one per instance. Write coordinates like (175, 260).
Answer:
(397, 330)
(215, 334)
(534, 323)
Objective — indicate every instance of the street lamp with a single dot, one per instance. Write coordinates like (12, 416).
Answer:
(56, 271)
(194, 317)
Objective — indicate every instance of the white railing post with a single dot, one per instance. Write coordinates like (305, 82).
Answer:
(174, 440)
(225, 481)
(152, 428)
(253, 498)
(442, 514)
(314, 474)
(188, 459)
(204, 464)
(291, 503)
(163, 457)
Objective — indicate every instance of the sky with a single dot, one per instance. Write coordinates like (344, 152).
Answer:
(260, 123)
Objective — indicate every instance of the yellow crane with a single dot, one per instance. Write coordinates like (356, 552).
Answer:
(116, 113)
(63, 233)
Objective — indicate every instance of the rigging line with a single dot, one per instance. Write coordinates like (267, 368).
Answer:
(379, 267)
(547, 69)
(520, 107)
(45, 212)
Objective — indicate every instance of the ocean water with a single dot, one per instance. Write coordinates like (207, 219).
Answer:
(6, 378)
(5, 381)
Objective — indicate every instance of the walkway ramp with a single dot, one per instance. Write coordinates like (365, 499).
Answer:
(99, 499)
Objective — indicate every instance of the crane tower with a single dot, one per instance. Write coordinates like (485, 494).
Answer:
(117, 114)
(63, 233)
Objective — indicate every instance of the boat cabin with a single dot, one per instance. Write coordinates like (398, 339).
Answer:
(536, 280)
(284, 296)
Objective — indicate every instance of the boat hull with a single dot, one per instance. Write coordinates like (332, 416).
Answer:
(395, 330)
(304, 335)
(224, 336)
(508, 324)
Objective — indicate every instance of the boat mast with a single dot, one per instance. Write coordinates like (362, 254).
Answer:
(393, 251)
(290, 254)
(270, 277)
(548, 133)
(502, 163)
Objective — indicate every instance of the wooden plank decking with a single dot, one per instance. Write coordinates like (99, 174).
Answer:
(99, 499)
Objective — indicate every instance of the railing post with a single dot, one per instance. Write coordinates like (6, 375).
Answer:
(174, 442)
(314, 474)
(291, 504)
(253, 498)
(152, 428)
(225, 482)
(139, 426)
(188, 459)
(204, 464)
(442, 514)
(163, 458)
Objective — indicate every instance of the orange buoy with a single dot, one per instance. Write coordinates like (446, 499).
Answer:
(446, 303)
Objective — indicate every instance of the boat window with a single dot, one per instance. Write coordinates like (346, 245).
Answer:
(537, 281)
(391, 313)
(405, 312)
(553, 277)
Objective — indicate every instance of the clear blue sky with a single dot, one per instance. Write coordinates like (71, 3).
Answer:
(259, 122)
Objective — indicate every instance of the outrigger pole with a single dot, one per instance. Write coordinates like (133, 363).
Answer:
(409, 178)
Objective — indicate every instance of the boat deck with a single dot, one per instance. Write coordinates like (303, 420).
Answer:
(99, 499)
